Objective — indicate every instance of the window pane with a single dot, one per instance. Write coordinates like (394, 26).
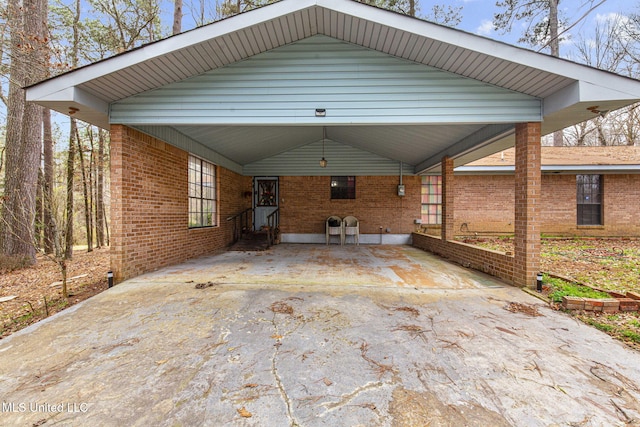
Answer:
(589, 199)
(343, 187)
(431, 199)
(202, 192)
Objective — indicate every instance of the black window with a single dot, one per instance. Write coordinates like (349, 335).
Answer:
(589, 191)
(343, 187)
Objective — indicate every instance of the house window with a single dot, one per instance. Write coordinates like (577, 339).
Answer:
(202, 193)
(432, 199)
(343, 187)
(589, 191)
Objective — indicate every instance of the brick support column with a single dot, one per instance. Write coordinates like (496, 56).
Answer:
(527, 205)
(117, 247)
(448, 191)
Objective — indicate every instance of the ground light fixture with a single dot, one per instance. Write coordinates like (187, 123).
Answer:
(323, 161)
(539, 282)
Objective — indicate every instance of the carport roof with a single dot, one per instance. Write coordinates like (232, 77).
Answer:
(569, 92)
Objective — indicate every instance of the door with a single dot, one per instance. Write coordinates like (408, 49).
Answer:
(265, 199)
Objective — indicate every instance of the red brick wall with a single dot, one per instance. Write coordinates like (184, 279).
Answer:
(149, 205)
(491, 262)
(448, 200)
(622, 205)
(305, 204)
(485, 204)
(528, 204)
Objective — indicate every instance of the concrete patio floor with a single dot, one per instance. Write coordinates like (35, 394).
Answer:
(310, 335)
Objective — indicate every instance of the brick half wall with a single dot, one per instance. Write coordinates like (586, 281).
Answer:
(149, 208)
(491, 262)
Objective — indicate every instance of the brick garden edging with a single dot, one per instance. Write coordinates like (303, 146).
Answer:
(628, 302)
(618, 301)
(605, 305)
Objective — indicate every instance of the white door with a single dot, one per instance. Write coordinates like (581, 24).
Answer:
(265, 199)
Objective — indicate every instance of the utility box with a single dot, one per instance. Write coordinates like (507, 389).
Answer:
(401, 190)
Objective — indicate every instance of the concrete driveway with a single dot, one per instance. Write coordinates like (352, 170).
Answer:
(309, 335)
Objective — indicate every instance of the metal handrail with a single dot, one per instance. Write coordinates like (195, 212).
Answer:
(244, 220)
(273, 224)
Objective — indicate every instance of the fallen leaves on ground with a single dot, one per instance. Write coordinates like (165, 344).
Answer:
(281, 307)
(33, 285)
(516, 307)
(244, 413)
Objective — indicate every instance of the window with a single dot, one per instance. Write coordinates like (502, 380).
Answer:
(343, 187)
(202, 193)
(589, 191)
(432, 199)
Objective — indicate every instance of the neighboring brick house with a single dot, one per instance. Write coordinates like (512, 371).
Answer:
(309, 108)
(586, 191)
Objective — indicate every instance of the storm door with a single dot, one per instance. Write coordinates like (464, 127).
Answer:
(265, 200)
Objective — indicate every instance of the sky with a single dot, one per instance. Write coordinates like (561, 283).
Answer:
(477, 15)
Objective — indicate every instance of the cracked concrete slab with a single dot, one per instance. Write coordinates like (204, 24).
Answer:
(366, 348)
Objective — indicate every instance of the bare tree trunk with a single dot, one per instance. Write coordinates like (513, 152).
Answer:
(24, 130)
(15, 112)
(106, 228)
(39, 223)
(87, 208)
(558, 139)
(100, 223)
(48, 182)
(177, 17)
(71, 155)
(553, 28)
(90, 178)
(68, 249)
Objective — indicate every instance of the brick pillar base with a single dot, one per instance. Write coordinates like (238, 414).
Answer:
(527, 205)
(447, 230)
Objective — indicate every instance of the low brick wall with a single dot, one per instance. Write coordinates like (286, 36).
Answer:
(491, 262)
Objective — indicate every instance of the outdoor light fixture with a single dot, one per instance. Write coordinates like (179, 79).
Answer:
(539, 282)
(596, 110)
(73, 110)
(323, 161)
(321, 112)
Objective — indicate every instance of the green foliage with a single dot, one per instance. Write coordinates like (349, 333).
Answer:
(562, 288)
(630, 335)
(598, 325)
(634, 322)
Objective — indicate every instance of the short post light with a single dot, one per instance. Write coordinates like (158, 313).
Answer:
(539, 282)
(110, 278)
